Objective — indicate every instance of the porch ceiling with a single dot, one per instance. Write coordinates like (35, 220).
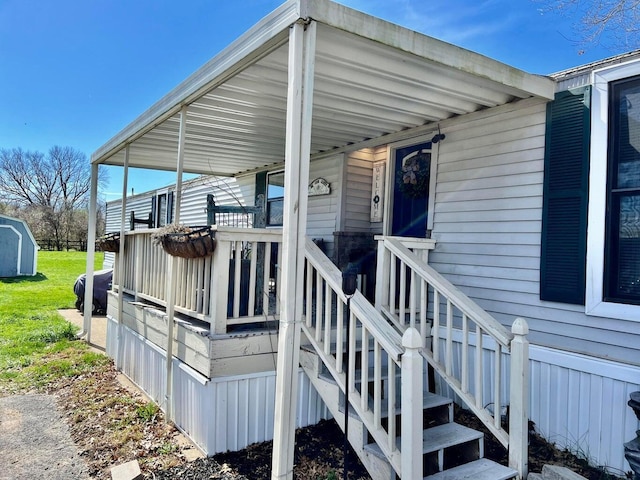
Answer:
(372, 78)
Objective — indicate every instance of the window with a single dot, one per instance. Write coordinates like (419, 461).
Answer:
(162, 209)
(613, 241)
(622, 241)
(275, 199)
(161, 219)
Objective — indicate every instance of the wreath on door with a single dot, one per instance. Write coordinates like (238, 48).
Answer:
(413, 178)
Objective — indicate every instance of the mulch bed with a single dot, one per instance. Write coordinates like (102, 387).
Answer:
(111, 425)
(318, 455)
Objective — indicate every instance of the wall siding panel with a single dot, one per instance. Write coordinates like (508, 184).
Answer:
(487, 224)
(358, 193)
(323, 210)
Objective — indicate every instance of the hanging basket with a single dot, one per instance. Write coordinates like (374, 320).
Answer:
(193, 243)
(109, 242)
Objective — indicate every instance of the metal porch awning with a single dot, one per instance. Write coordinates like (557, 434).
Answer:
(372, 79)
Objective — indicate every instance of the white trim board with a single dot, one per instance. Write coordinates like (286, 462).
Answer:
(595, 304)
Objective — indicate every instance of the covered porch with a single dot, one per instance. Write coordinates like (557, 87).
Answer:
(313, 80)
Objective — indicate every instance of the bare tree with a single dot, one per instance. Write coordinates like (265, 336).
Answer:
(50, 189)
(612, 23)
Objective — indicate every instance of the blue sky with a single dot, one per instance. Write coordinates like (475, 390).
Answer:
(75, 72)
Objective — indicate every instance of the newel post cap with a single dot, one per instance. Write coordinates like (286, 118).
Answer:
(520, 327)
(411, 338)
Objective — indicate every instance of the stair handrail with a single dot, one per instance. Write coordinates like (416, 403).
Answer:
(489, 324)
(514, 342)
(374, 331)
(389, 338)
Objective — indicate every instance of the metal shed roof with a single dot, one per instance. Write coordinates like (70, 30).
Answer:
(372, 78)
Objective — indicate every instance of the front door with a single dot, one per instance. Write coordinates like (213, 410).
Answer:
(411, 190)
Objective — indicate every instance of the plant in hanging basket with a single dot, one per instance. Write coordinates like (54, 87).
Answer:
(109, 242)
(413, 178)
(186, 242)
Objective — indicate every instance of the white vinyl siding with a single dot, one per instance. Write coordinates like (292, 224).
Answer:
(225, 190)
(140, 204)
(358, 192)
(322, 210)
(487, 226)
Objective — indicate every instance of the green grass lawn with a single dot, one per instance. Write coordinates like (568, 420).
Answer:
(36, 343)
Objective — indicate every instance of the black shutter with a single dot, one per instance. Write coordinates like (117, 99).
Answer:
(169, 218)
(565, 201)
(154, 215)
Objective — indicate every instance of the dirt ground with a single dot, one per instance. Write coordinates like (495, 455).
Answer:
(82, 426)
(110, 425)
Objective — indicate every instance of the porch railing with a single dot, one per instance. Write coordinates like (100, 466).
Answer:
(384, 369)
(480, 360)
(236, 285)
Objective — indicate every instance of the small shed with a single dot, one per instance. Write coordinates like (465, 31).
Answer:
(18, 248)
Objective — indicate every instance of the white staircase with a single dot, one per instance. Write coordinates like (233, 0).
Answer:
(450, 451)
(396, 427)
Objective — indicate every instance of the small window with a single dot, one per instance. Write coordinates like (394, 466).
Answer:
(161, 209)
(275, 199)
(161, 217)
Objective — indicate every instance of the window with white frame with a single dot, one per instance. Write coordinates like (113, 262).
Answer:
(162, 209)
(613, 239)
(275, 199)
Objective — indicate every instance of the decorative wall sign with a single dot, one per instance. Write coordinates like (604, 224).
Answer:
(319, 187)
(377, 191)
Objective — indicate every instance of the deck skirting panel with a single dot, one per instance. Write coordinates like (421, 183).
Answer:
(220, 414)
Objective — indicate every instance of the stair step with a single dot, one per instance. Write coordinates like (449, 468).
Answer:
(325, 375)
(333, 346)
(438, 438)
(483, 469)
(429, 401)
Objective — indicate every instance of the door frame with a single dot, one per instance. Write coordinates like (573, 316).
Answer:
(390, 180)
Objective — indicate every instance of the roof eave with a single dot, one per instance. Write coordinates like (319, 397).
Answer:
(262, 38)
(432, 49)
(272, 32)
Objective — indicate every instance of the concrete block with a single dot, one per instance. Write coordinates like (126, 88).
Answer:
(127, 471)
(556, 472)
(535, 476)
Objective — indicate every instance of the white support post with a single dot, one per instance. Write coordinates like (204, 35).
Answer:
(172, 263)
(91, 248)
(411, 384)
(219, 297)
(139, 265)
(382, 277)
(120, 257)
(181, 145)
(297, 153)
(519, 399)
